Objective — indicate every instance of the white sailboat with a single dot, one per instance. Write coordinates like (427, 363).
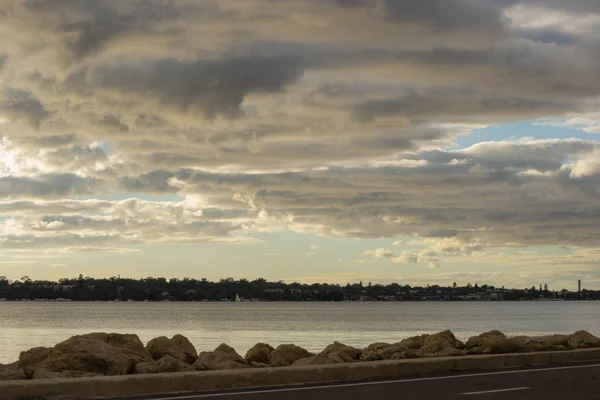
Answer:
(237, 297)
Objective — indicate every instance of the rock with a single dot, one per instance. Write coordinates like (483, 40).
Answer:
(487, 342)
(535, 343)
(223, 357)
(341, 353)
(552, 342)
(95, 354)
(166, 363)
(582, 339)
(179, 347)
(335, 353)
(485, 339)
(259, 353)
(33, 356)
(441, 344)
(286, 354)
(256, 364)
(413, 342)
(409, 353)
(316, 359)
(121, 340)
(381, 351)
(41, 373)
(9, 374)
(78, 374)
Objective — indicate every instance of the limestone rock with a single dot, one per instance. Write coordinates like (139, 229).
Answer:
(488, 342)
(341, 353)
(259, 353)
(538, 343)
(120, 340)
(403, 355)
(256, 364)
(308, 361)
(33, 356)
(179, 347)
(381, 351)
(41, 373)
(553, 342)
(441, 344)
(94, 354)
(335, 353)
(166, 363)
(485, 339)
(223, 357)
(583, 339)
(78, 374)
(9, 374)
(413, 342)
(286, 354)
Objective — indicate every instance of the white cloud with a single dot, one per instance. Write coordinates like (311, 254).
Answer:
(380, 253)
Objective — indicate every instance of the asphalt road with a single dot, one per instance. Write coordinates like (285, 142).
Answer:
(570, 382)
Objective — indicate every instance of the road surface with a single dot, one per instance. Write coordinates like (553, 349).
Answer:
(568, 382)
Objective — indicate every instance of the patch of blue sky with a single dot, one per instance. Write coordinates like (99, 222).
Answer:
(520, 130)
(104, 145)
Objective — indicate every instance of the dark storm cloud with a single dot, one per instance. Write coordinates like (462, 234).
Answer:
(216, 87)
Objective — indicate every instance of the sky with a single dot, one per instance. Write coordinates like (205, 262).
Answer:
(412, 141)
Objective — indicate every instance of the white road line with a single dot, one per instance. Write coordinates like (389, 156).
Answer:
(372, 383)
(497, 391)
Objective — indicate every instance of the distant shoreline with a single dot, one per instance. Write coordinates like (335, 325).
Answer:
(287, 301)
(85, 288)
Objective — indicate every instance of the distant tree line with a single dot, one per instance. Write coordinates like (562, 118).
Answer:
(85, 288)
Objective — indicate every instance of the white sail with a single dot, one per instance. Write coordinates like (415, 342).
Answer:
(237, 297)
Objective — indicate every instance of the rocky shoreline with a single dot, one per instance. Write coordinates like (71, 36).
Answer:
(98, 354)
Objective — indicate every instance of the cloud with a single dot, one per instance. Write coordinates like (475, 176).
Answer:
(314, 247)
(399, 243)
(380, 253)
(269, 116)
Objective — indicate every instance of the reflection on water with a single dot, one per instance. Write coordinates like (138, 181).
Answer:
(310, 325)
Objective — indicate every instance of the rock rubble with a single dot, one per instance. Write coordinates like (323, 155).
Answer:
(121, 354)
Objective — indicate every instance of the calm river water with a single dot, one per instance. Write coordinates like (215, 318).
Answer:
(310, 325)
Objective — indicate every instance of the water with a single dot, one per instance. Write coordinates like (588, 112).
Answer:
(310, 325)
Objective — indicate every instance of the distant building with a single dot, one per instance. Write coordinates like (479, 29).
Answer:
(273, 291)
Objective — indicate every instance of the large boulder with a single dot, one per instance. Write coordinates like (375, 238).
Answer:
(41, 373)
(223, 357)
(9, 373)
(178, 347)
(583, 339)
(549, 342)
(95, 354)
(33, 356)
(413, 342)
(286, 354)
(259, 353)
(488, 342)
(335, 353)
(381, 351)
(121, 340)
(166, 363)
(441, 344)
